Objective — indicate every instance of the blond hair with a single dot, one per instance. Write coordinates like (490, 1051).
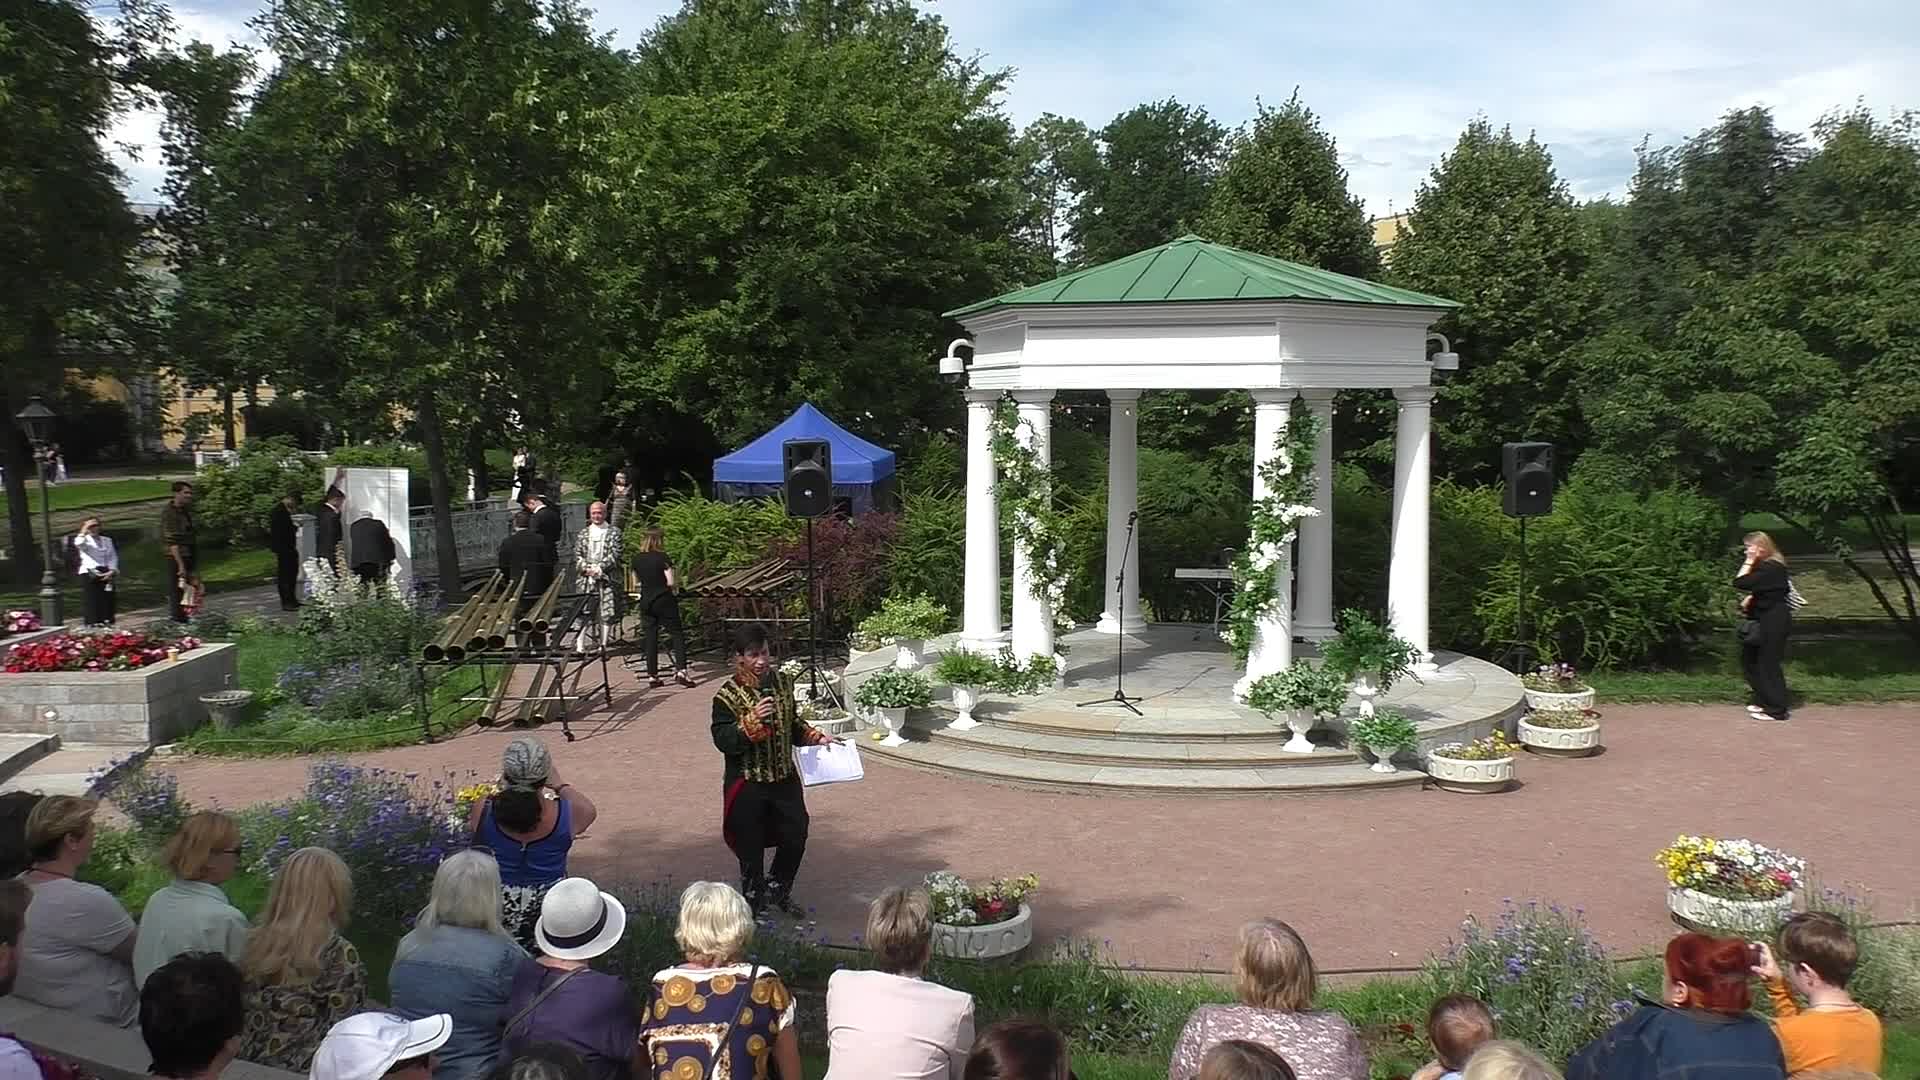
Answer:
(466, 892)
(1765, 542)
(900, 930)
(195, 843)
(653, 539)
(53, 820)
(1272, 968)
(715, 923)
(1504, 1059)
(308, 905)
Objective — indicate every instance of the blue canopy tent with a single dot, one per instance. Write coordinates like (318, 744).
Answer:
(862, 472)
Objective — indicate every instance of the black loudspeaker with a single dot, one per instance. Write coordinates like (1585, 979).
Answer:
(809, 471)
(1528, 470)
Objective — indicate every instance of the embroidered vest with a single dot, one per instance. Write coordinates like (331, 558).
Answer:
(768, 760)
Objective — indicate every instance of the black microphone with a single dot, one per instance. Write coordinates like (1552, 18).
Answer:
(1133, 517)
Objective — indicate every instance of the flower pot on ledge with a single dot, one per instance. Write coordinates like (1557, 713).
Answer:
(909, 653)
(1542, 700)
(965, 700)
(1703, 911)
(990, 942)
(1559, 741)
(1470, 777)
(895, 718)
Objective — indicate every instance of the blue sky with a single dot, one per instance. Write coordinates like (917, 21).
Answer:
(1393, 80)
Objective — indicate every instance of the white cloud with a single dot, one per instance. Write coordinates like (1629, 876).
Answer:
(1396, 80)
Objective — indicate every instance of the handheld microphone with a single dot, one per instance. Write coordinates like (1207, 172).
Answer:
(1133, 517)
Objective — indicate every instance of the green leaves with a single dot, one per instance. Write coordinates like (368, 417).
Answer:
(1283, 193)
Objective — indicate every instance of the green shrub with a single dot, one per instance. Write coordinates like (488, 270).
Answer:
(910, 617)
(1013, 676)
(932, 464)
(930, 548)
(1615, 577)
(959, 667)
(1386, 728)
(233, 502)
(391, 455)
(1190, 508)
(705, 535)
(1364, 647)
(894, 688)
(1548, 981)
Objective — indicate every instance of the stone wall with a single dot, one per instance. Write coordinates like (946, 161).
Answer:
(146, 707)
(104, 1051)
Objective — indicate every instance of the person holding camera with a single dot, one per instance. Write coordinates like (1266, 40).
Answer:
(1766, 620)
(97, 562)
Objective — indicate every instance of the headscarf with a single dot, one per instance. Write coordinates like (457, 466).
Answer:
(525, 764)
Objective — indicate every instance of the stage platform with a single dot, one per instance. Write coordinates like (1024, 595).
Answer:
(1192, 738)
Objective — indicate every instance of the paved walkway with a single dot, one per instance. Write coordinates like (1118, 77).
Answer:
(1373, 879)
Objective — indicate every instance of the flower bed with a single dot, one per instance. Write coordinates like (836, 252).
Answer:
(1730, 869)
(128, 698)
(18, 621)
(111, 650)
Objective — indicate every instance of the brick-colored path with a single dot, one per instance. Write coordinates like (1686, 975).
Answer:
(1371, 879)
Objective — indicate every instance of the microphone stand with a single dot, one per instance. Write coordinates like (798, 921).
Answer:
(1119, 696)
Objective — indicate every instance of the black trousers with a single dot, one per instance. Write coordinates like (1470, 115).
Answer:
(663, 614)
(1760, 662)
(769, 815)
(175, 595)
(96, 601)
(286, 575)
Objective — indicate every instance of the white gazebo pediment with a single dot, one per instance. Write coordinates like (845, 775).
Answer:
(1193, 315)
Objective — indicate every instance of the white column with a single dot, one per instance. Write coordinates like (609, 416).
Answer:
(980, 613)
(1273, 635)
(1032, 615)
(1121, 612)
(1314, 621)
(1412, 481)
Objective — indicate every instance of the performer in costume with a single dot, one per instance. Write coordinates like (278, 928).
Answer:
(756, 724)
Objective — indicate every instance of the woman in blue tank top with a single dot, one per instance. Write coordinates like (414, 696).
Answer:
(529, 825)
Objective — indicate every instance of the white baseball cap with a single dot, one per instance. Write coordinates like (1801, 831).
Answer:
(365, 1045)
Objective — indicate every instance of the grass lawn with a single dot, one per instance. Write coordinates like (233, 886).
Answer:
(143, 570)
(1824, 671)
(1793, 541)
(93, 494)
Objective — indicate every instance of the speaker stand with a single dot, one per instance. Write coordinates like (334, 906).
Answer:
(1518, 657)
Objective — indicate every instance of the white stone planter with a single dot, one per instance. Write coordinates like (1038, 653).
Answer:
(1545, 699)
(143, 707)
(1383, 758)
(1366, 690)
(894, 719)
(1059, 671)
(1560, 742)
(1470, 777)
(1299, 721)
(1705, 912)
(965, 700)
(985, 942)
(909, 653)
(225, 706)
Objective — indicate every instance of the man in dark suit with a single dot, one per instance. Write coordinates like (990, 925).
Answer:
(526, 552)
(285, 540)
(327, 532)
(371, 546)
(546, 522)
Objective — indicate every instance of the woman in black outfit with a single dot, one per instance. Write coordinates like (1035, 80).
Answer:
(659, 607)
(1764, 579)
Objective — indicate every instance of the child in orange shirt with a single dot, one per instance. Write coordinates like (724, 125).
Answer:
(1832, 1031)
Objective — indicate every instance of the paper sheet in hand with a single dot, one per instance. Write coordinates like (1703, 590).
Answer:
(830, 764)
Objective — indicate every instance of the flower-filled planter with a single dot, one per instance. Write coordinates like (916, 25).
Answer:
(907, 622)
(1730, 885)
(889, 693)
(1385, 734)
(1371, 656)
(112, 650)
(1482, 766)
(1556, 686)
(981, 922)
(1561, 732)
(970, 675)
(1305, 694)
(1037, 674)
(18, 621)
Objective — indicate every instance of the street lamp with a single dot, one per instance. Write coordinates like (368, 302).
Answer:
(36, 422)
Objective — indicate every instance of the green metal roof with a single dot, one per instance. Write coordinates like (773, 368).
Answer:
(1194, 269)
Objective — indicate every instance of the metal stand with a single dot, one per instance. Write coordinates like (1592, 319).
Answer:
(551, 662)
(1519, 655)
(1119, 696)
(51, 613)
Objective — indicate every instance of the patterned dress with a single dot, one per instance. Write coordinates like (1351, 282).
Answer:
(597, 547)
(285, 1022)
(1320, 1045)
(714, 1023)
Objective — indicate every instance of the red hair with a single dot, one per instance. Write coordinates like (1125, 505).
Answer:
(1714, 970)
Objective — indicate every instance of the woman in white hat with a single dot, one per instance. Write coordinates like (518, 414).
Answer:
(715, 987)
(559, 998)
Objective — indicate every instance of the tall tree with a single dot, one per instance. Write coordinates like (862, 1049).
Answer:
(1284, 194)
(1053, 152)
(1156, 164)
(815, 181)
(425, 184)
(1495, 228)
(67, 236)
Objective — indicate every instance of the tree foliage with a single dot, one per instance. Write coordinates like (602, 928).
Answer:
(1283, 193)
(1150, 181)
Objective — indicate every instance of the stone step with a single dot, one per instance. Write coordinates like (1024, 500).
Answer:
(19, 750)
(1117, 750)
(1090, 778)
(1176, 724)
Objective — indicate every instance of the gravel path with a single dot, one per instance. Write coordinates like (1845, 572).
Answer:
(1373, 880)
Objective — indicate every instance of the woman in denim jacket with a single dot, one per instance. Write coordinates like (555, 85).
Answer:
(458, 959)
